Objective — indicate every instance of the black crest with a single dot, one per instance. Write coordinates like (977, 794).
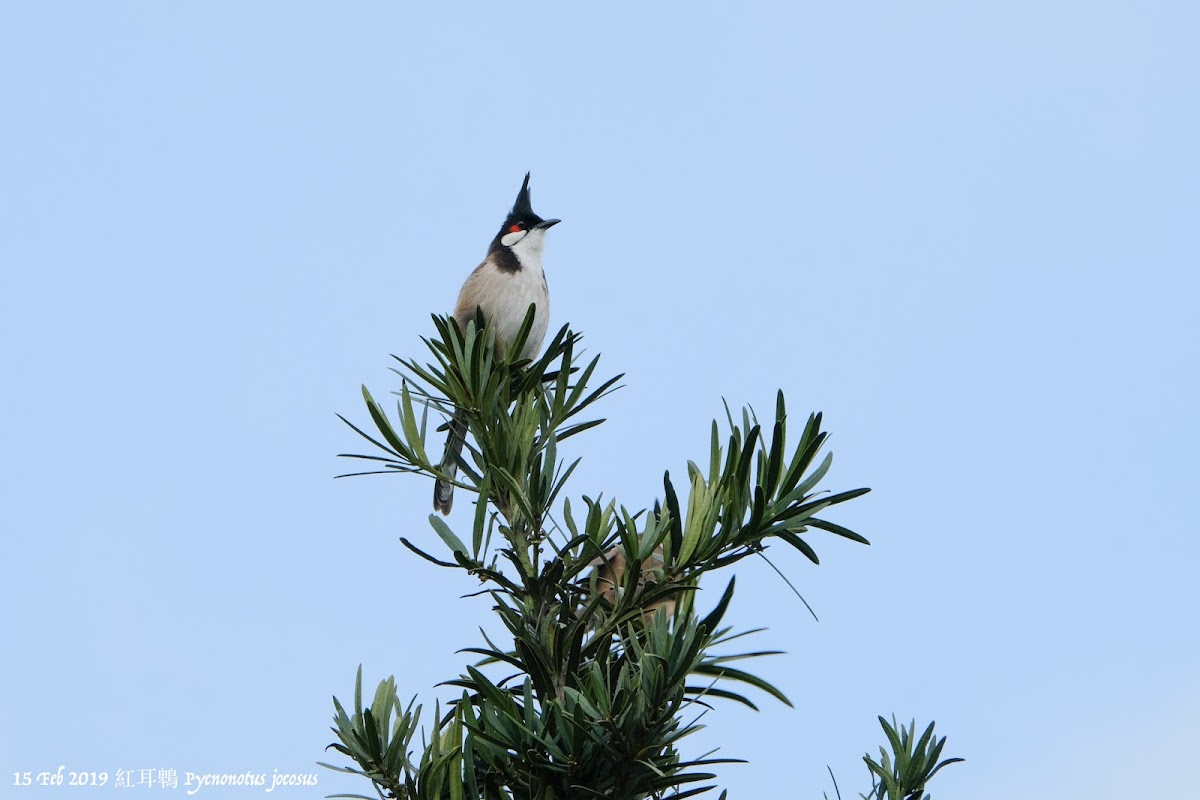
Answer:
(523, 209)
(521, 214)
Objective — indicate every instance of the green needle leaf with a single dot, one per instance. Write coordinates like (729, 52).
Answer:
(443, 530)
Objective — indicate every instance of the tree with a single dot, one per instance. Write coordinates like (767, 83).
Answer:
(609, 651)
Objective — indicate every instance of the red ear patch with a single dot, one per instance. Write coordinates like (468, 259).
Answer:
(514, 228)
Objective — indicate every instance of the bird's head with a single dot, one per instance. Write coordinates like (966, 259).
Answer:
(523, 232)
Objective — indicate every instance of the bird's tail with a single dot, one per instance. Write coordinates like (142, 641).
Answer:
(443, 491)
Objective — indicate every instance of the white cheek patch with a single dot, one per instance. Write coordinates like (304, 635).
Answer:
(509, 239)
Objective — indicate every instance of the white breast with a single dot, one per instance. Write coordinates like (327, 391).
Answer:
(515, 292)
(505, 298)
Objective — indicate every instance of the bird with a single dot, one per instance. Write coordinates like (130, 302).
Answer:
(501, 288)
(608, 578)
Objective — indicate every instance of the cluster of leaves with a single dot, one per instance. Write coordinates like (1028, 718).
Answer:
(600, 681)
(904, 774)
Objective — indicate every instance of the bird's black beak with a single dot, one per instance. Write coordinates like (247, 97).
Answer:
(546, 223)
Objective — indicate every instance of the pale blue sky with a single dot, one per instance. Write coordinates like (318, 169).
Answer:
(967, 232)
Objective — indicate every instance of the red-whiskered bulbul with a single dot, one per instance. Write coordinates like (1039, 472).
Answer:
(502, 288)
